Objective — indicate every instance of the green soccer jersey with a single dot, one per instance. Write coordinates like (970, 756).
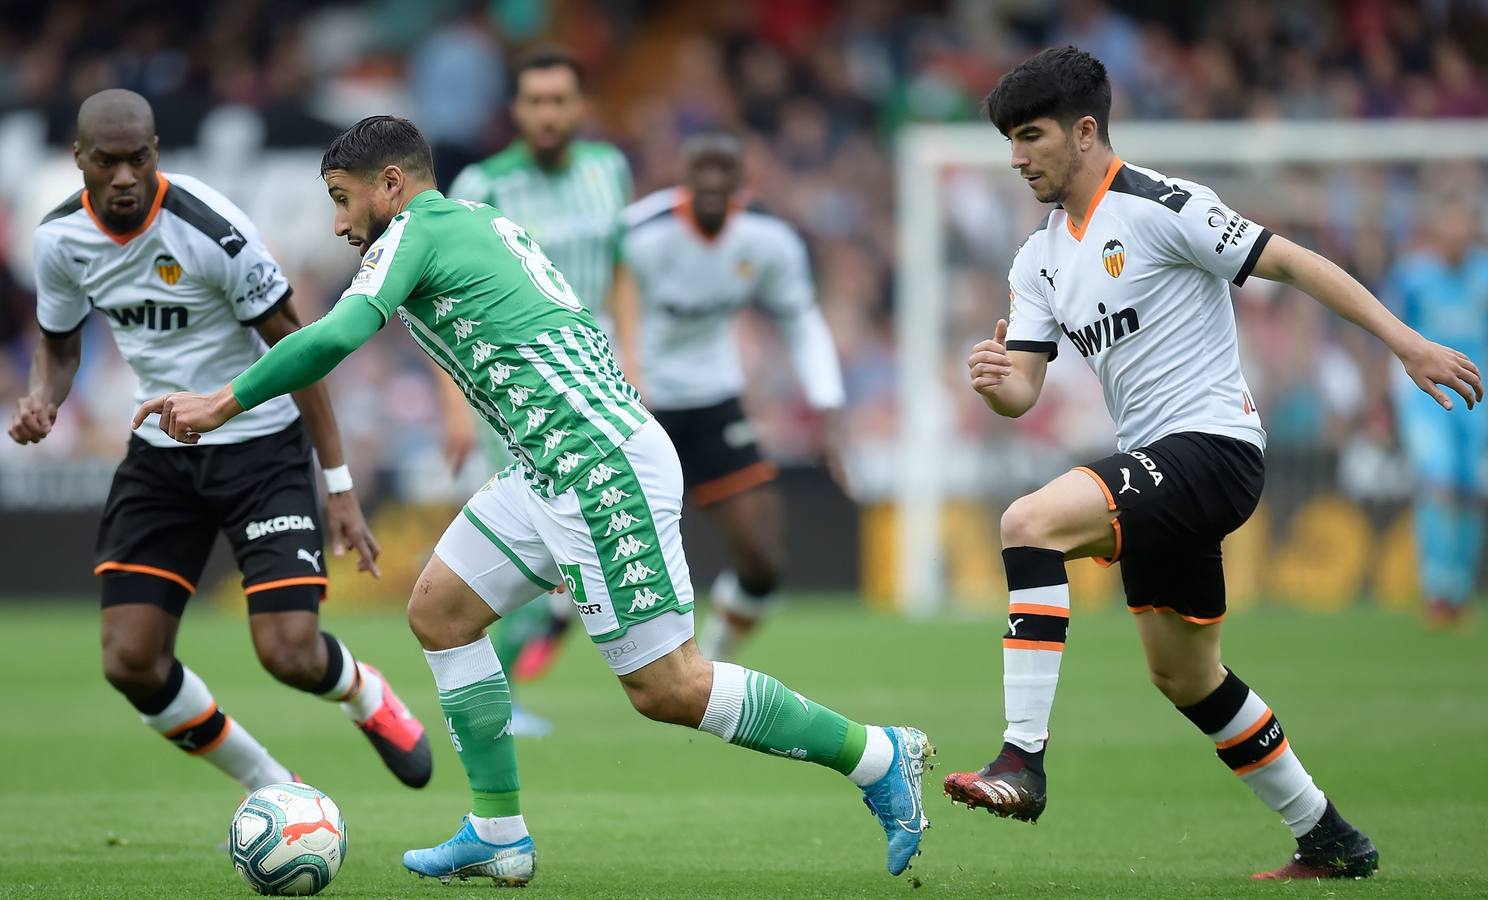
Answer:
(573, 210)
(481, 298)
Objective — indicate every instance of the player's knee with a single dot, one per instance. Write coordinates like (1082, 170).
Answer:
(1182, 686)
(676, 692)
(292, 663)
(673, 704)
(439, 625)
(1023, 526)
(135, 671)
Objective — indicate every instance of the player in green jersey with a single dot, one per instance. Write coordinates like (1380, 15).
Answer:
(594, 500)
(568, 195)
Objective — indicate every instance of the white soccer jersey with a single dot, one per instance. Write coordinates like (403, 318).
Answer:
(692, 285)
(180, 292)
(1142, 293)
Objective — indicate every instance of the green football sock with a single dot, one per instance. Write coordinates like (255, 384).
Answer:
(479, 720)
(753, 710)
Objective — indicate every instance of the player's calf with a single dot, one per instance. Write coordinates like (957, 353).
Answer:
(1249, 739)
(294, 650)
(184, 712)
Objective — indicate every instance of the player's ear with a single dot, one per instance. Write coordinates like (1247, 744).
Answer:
(1087, 132)
(392, 178)
(77, 154)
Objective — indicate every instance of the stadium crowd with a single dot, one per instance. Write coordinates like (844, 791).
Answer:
(819, 89)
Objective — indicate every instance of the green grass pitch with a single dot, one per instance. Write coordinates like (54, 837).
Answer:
(1391, 721)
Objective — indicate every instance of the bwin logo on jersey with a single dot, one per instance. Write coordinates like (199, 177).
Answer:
(1103, 332)
(1114, 258)
(151, 315)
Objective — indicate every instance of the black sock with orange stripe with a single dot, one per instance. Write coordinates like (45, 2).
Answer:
(1038, 622)
(347, 681)
(1248, 738)
(184, 713)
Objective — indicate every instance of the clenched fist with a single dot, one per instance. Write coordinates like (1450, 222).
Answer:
(32, 420)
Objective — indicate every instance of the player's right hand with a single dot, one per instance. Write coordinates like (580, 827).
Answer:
(989, 362)
(32, 420)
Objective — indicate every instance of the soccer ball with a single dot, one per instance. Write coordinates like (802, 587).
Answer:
(288, 840)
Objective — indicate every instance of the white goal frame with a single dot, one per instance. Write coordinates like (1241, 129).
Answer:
(920, 292)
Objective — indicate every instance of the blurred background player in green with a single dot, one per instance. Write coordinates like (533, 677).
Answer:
(568, 194)
(696, 257)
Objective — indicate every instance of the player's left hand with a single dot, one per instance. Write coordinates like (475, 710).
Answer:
(186, 417)
(349, 529)
(1430, 364)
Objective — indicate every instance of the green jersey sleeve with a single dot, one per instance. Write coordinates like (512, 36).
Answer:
(308, 354)
(392, 267)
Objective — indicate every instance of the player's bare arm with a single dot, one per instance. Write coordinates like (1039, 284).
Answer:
(52, 370)
(1008, 380)
(459, 428)
(348, 526)
(1428, 364)
(625, 308)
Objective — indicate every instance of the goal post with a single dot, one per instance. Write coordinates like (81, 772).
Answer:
(1247, 151)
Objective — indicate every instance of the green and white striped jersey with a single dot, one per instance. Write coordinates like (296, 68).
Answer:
(573, 211)
(481, 298)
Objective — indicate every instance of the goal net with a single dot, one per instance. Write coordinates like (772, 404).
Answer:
(1334, 523)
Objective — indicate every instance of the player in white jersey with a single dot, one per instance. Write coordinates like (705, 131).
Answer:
(193, 296)
(696, 258)
(1133, 268)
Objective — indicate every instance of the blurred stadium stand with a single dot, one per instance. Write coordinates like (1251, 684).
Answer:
(246, 93)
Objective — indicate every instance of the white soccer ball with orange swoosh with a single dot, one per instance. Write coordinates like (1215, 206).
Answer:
(288, 840)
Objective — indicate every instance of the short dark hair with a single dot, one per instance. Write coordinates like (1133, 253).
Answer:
(546, 56)
(378, 141)
(1063, 83)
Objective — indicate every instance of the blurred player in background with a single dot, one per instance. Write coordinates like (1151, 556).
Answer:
(193, 295)
(568, 194)
(696, 258)
(595, 501)
(1133, 267)
(1442, 291)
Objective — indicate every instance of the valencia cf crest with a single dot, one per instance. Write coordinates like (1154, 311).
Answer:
(744, 269)
(167, 268)
(1114, 257)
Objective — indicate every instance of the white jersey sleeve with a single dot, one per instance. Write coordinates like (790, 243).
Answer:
(61, 306)
(787, 293)
(1032, 326)
(1210, 235)
(240, 265)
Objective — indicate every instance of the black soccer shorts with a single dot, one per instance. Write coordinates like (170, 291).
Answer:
(717, 448)
(1175, 500)
(167, 505)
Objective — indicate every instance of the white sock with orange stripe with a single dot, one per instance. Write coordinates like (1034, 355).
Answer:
(185, 713)
(1038, 622)
(1248, 738)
